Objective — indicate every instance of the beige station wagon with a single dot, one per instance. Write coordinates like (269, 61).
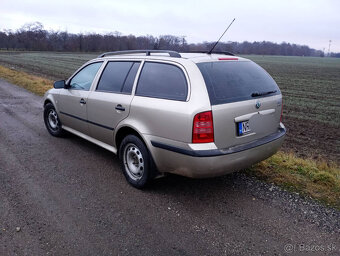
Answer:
(193, 114)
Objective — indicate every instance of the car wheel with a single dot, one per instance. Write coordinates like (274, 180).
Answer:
(136, 161)
(52, 121)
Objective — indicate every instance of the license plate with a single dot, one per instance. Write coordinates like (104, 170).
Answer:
(243, 128)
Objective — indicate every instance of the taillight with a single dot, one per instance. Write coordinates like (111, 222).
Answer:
(203, 128)
(281, 111)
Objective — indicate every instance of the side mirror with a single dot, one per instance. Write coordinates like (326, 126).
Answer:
(59, 84)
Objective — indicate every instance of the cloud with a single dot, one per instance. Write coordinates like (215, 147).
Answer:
(303, 22)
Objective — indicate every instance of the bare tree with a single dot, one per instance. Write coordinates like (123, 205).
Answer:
(33, 36)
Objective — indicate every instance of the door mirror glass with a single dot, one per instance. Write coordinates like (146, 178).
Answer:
(59, 84)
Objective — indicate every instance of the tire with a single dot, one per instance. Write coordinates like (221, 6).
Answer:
(52, 122)
(136, 162)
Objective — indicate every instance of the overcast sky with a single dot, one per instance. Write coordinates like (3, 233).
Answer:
(309, 22)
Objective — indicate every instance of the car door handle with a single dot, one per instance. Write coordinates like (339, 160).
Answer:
(82, 101)
(120, 107)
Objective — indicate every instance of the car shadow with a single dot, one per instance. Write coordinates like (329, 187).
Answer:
(85, 144)
(174, 183)
(170, 184)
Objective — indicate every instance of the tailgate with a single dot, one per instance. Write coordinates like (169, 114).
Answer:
(246, 102)
(230, 118)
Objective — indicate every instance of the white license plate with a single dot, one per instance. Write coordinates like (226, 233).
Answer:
(243, 127)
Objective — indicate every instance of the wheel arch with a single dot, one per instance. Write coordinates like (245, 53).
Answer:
(122, 132)
(125, 130)
(50, 99)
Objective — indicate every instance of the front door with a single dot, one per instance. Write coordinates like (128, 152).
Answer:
(72, 101)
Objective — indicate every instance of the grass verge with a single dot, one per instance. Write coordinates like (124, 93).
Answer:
(32, 83)
(316, 179)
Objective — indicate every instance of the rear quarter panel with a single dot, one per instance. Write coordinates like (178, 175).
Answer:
(169, 118)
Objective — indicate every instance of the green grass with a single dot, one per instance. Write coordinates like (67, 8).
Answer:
(316, 179)
(35, 84)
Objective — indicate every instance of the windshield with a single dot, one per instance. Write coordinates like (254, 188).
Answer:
(230, 81)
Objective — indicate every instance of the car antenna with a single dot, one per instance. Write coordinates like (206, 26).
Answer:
(221, 37)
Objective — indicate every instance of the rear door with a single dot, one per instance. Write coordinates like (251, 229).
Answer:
(72, 101)
(246, 102)
(160, 103)
(110, 102)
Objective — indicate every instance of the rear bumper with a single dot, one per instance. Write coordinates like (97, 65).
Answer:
(213, 162)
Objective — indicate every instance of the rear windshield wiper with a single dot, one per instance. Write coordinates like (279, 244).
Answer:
(257, 94)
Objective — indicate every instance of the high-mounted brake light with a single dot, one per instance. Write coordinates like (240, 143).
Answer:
(203, 128)
(227, 58)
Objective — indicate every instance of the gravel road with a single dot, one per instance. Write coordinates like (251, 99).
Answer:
(66, 196)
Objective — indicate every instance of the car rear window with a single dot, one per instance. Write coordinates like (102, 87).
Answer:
(118, 76)
(160, 80)
(231, 81)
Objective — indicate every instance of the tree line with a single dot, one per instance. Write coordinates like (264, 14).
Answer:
(33, 37)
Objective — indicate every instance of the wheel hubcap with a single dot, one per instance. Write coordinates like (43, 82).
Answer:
(53, 119)
(133, 161)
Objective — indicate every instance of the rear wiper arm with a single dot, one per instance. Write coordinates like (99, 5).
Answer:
(257, 94)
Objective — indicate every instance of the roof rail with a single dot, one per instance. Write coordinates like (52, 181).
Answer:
(220, 52)
(147, 52)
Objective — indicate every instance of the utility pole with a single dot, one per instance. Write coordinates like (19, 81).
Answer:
(329, 48)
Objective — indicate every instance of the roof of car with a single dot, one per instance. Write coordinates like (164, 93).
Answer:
(204, 57)
(164, 54)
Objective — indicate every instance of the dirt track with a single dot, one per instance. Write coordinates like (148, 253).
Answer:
(69, 197)
(312, 139)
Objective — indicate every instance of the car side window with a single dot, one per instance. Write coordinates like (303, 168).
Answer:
(83, 79)
(127, 88)
(160, 80)
(118, 76)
